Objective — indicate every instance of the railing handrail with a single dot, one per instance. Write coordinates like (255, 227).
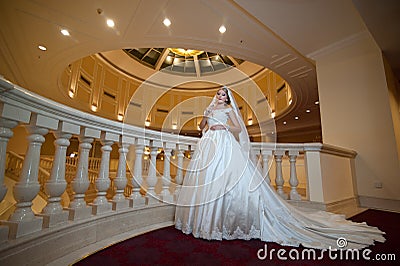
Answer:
(304, 147)
(16, 155)
(21, 98)
(42, 171)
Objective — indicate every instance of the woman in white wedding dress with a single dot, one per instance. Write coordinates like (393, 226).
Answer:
(223, 195)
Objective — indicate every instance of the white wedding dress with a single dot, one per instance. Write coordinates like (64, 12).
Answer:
(223, 196)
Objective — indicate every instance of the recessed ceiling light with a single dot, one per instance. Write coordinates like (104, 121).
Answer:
(65, 32)
(110, 23)
(284, 122)
(317, 102)
(41, 47)
(308, 111)
(222, 29)
(167, 22)
(296, 117)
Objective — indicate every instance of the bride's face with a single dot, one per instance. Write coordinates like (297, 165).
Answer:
(221, 96)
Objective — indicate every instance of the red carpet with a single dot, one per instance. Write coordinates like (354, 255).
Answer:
(169, 246)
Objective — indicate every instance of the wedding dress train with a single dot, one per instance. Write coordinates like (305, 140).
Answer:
(223, 196)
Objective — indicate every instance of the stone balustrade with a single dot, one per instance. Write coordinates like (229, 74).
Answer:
(133, 190)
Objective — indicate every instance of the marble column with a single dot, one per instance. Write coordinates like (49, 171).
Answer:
(293, 181)
(151, 179)
(53, 212)
(101, 204)
(179, 171)
(166, 195)
(78, 208)
(279, 181)
(266, 157)
(6, 133)
(255, 158)
(119, 201)
(23, 221)
(137, 199)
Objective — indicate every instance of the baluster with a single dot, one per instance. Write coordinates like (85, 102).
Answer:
(27, 188)
(293, 181)
(119, 201)
(179, 172)
(78, 208)
(137, 199)
(5, 134)
(166, 194)
(279, 181)
(151, 179)
(266, 157)
(101, 203)
(255, 157)
(53, 212)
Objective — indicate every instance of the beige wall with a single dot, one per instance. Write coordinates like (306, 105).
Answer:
(356, 113)
(337, 178)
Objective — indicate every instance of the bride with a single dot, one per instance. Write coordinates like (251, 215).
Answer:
(223, 195)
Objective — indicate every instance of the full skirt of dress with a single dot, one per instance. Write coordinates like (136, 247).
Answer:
(223, 196)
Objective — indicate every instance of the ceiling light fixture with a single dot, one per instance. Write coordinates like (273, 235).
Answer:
(42, 48)
(317, 102)
(284, 122)
(296, 118)
(222, 29)
(65, 32)
(110, 23)
(167, 22)
(185, 52)
(308, 111)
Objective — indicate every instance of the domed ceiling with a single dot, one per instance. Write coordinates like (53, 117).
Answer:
(183, 61)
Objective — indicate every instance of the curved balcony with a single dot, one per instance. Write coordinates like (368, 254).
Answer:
(71, 206)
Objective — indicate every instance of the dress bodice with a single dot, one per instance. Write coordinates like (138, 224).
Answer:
(219, 117)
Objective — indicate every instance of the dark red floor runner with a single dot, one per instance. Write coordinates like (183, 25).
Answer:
(169, 246)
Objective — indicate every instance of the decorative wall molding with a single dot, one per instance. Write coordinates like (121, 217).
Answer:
(338, 45)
